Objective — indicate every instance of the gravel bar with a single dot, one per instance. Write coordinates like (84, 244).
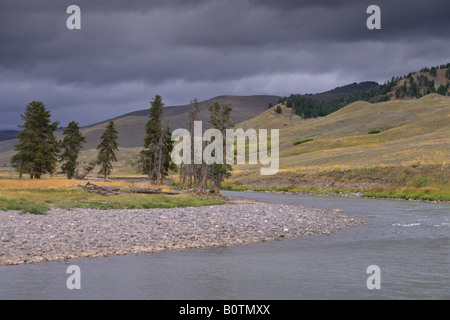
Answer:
(77, 233)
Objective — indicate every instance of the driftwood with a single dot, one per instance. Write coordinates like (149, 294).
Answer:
(111, 190)
(149, 191)
(102, 190)
(144, 190)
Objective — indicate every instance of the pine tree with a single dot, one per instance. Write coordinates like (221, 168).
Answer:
(38, 147)
(107, 148)
(155, 159)
(442, 90)
(278, 110)
(72, 144)
(433, 71)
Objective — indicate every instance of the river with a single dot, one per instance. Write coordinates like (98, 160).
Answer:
(408, 241)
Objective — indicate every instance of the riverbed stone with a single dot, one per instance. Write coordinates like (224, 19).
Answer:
(68, 234)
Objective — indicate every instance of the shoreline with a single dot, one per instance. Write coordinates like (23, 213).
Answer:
(81, 233)
(359, 195)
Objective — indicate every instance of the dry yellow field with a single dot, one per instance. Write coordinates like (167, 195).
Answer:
(62, 183)
(413, 133)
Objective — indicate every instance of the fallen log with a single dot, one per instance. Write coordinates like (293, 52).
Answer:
(144, 190)
(112, 190)
(102, 190)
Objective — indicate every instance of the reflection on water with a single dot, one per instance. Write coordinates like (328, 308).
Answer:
(408, 240)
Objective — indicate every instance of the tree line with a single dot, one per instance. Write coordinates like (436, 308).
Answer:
(308, 107)
(39, 151)
(205, 176)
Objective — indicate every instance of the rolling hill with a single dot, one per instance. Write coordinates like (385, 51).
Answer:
(344, 91)
(411, 134)
(131, 126)
(8, 135)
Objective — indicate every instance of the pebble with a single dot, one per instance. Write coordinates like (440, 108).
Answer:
(77, 233)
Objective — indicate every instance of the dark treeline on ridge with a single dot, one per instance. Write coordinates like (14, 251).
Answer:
(307, 106)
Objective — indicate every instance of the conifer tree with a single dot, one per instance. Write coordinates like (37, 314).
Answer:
(107, 149)
(433, 71)
(72, 144)
(278, 109)
(38, 148)
(442, 90)
(155, 158)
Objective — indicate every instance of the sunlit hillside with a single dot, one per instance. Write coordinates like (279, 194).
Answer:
(399, 133)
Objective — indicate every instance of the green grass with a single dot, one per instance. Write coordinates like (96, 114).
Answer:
(23, 206)
(40, 200)
(233, 187)
(140, 202)
(431, 194)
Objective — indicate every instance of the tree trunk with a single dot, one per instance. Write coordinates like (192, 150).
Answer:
(181, 176)
(217, 183)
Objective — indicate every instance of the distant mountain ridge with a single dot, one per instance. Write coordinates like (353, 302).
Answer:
(344, 91)
(131, 126)
(8, 134)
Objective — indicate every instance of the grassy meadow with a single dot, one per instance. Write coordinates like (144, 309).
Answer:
(394, 149)
(39, 196)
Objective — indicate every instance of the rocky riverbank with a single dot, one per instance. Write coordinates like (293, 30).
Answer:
(63, 234)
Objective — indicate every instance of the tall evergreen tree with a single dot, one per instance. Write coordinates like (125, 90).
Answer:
(107, 149)
(72, 144)
(149, 156)
(155, 159)
(38, 148)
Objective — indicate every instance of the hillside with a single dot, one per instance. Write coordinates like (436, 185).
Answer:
(131, 126)
(8, 135)
(412, 86)
(413, 133)
(344, 91)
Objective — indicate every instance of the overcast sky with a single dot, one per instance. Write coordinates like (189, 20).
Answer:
(127, 51)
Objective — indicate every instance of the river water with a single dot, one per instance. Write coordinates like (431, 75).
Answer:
(408, 241)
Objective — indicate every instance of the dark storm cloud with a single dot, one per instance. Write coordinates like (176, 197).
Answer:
(127, 51)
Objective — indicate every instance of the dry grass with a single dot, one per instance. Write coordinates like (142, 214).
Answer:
(62, 183)
(38, 196)
(412, 131)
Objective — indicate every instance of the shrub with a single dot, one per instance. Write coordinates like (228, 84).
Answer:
(374, 131)
(278, 110)
(32, 208)
(301, 141)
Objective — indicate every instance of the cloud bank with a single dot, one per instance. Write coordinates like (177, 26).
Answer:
(128, 51)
